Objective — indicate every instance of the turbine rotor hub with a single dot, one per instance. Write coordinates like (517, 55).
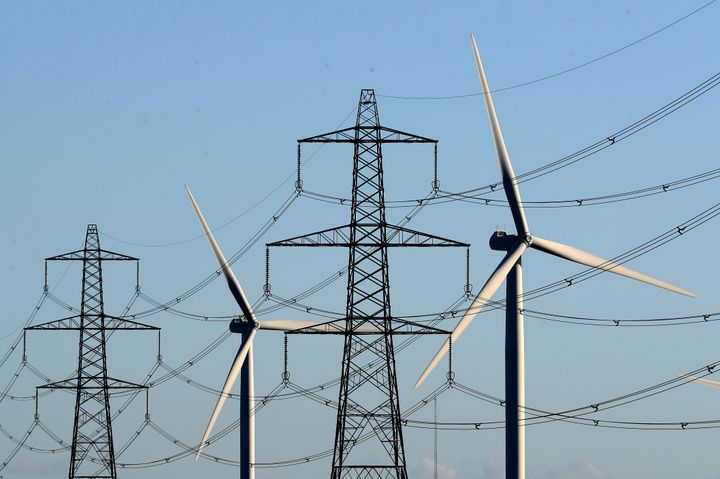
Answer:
(501, 241)
(528, 239)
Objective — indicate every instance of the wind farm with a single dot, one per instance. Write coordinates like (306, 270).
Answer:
(596, 361)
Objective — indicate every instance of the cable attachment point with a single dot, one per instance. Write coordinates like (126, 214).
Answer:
(450, 376)
(435, 183)
(468, 285)
(285, 374)
(298, 181)
(266, 286)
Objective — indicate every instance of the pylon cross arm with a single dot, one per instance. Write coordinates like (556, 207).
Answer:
(386, 135)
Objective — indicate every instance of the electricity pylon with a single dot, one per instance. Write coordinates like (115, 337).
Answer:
(368, 407)
(92, 454)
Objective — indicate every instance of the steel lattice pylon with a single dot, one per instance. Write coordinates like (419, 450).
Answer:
(368, 300)
(368, 406)
(92, 454)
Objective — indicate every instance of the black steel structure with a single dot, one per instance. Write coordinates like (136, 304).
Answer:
(368, 407)
(92, 454)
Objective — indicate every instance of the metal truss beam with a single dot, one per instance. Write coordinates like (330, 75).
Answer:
(396, 236)
(359, 134)
(74, 323)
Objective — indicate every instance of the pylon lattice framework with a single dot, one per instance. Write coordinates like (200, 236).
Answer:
(92, 454)
(368, 397)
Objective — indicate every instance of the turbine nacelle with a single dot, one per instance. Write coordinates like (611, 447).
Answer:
(501, 241)
(241, 326)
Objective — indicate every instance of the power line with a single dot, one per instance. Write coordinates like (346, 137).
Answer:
(588, 273)
(541, 171)
(237, 217)
(581, 154)
(608, 198)
(559, 73)
(622, 321)
(578, 415)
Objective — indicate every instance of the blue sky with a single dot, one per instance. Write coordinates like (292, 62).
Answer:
(108, 109)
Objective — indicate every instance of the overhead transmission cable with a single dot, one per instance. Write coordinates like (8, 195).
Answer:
(492, 305)
(530, 175)
(562, 72)
(567, 160)
(447, 196)
(241, 214)
(579, 415)
(628, 255)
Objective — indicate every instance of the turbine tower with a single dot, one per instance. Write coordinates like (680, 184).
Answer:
(510, 270)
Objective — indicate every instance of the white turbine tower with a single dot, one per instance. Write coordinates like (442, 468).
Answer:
(510, 270)
(245, 352)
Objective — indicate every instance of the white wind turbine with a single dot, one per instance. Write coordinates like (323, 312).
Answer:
(245, 352)
(510, 270)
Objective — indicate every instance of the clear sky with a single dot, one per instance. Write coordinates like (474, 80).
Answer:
(108, 108)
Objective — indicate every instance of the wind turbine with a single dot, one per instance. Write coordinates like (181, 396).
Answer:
(510, 270)
(243, 361)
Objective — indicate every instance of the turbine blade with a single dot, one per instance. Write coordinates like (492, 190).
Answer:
(709, 382)
(227, 387)
(232, 280)
(506, 170)
(583, 257)
(491, 286)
